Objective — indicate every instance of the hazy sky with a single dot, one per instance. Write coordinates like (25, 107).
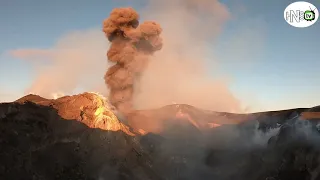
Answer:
(270, 64)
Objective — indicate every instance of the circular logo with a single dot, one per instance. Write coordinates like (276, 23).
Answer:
(301, 14)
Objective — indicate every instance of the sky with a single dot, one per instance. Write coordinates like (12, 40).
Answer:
(270, 65)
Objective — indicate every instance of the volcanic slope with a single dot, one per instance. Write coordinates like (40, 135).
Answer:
(91, 109)
(43, 141)
(37, 143)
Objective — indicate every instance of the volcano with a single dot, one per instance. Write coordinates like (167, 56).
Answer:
(81, 137)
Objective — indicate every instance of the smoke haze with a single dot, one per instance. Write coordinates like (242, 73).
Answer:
(178, 72)
(76, 61)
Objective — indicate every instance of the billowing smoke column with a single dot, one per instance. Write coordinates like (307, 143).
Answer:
(131, 45)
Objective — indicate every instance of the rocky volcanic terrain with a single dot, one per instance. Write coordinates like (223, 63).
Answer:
(80, 137)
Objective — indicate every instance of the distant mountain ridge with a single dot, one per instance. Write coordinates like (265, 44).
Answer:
(152, 120)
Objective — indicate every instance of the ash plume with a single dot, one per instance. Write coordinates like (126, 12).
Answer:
(131, 45)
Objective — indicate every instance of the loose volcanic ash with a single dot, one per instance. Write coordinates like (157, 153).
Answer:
(131, 46)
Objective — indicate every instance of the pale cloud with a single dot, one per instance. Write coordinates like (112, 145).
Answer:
(31, 54)
(76, 61)
(179, 72)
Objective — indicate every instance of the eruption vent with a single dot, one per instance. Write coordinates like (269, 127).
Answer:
(131, 45)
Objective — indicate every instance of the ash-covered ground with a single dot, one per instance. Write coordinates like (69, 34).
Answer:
(79, 137)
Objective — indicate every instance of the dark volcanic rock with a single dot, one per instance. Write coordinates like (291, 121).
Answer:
(292, 155)
(312, 114)
(314, 109)
(89, 108)
(33, 98)
(37, 142)
(154, 120)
